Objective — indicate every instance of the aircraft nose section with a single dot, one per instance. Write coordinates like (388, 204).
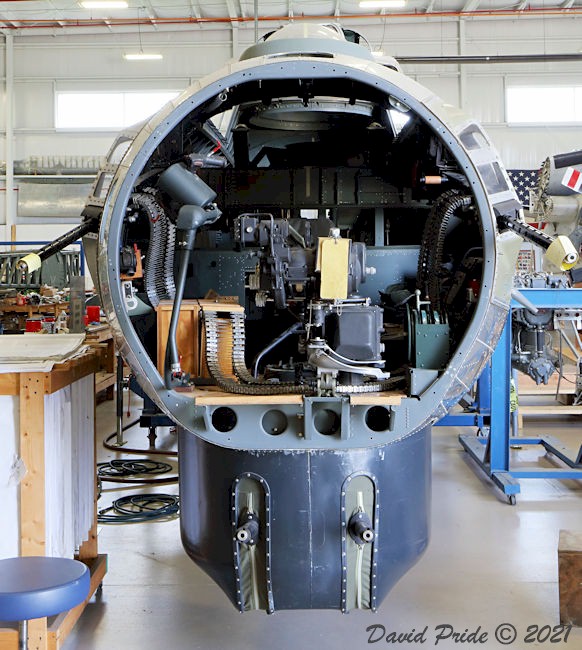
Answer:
(275, 539)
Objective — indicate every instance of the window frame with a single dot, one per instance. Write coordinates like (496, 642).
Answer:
(545, 88)
(171, 93)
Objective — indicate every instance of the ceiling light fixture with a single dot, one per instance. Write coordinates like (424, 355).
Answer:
(382, 4)
(104, 4)
(143, 56)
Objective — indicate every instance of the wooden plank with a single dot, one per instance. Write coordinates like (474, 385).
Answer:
(32, 486)
(88, 550)
(9, 383)
(224, 305)
(98, 334)
(550, 410)
(62, 625)
(570, 577)
(32, 492)
(389, 398)
(103, 380)
(545, 389)
(187, 335)
(8, 638)
(70, 371)
(49, 308)
(220, 398)
(100, 338)
(37, 634)
(527, 386)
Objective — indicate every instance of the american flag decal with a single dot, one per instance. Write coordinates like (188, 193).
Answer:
(523, 181)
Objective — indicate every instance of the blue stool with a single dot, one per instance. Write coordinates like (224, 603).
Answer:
(35, 587)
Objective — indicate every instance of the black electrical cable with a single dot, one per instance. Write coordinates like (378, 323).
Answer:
(124, 467)
(138, 508)
(121, 470)
(127, 426)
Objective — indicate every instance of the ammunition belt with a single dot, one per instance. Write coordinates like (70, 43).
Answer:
(232, 375)
(159, 264)
(242, 382)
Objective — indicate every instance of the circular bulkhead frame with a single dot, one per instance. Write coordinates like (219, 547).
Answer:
(463, 138)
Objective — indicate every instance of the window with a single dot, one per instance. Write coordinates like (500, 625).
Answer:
(544, 104)
(398, 119)
(107, 110)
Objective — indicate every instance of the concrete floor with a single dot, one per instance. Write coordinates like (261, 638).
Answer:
(487, 564)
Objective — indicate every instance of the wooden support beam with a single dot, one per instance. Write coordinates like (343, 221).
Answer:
(570, 577)
(32, 487)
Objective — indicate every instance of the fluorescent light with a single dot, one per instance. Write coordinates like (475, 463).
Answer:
(104, 4)
(382, 4)
(143, 56)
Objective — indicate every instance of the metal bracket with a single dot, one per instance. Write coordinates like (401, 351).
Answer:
(236, 509)
(345, 517)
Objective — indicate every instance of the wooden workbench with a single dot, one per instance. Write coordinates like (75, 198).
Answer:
(100, 337)
(33, 392)
(29, 311)
(558, 399)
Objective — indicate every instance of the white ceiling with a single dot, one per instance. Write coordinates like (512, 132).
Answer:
(34, 16)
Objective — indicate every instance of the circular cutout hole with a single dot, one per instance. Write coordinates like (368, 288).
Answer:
(327, 422)
(378, 418)
(224, 419)
(274, 422)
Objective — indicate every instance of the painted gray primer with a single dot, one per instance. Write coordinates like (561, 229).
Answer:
(305, 477)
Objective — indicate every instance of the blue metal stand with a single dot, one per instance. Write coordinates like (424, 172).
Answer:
(491, 452)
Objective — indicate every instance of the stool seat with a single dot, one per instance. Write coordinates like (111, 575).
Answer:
(34, 587)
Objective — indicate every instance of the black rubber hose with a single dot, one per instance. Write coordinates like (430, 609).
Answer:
(137, 508)
(290, 330)
(172, 356)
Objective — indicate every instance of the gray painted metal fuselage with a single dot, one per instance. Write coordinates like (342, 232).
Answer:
(306, 465)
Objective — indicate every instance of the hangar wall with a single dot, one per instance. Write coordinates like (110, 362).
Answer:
(43, 63)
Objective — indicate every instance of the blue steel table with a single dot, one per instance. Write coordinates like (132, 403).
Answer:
(491, 413)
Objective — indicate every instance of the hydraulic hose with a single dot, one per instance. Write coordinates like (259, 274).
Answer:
(172, 361)
(296, 327)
